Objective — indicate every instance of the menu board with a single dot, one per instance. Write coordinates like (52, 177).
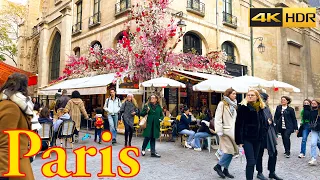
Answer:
(173, 98)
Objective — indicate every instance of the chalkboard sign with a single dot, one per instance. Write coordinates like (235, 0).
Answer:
(173, 96)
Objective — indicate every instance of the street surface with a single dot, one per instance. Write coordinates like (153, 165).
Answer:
(186, 164)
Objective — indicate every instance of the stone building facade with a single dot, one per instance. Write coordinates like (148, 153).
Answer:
(64, 27)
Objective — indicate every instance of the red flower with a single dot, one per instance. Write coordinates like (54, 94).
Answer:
(104, 57)
(157, 64)
(136, 55)
(138, 29)
(125, 33)
(129, 48)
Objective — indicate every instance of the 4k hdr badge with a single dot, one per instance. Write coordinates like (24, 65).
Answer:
(282, 17)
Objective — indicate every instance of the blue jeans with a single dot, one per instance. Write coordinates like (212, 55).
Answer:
(305, 133)
(197, 138)
(315, 141)
(225, 160)
(113, 123)
(189, 133)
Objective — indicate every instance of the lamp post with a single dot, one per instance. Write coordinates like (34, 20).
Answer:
(261, 49)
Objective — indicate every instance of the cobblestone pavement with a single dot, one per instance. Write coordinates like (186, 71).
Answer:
(180, 163)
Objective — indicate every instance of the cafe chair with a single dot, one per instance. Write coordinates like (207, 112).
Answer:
(46, 133)
(136, 124)
(213, 142)
(65, 132)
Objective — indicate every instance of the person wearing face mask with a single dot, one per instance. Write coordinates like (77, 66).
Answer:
(305, 120)
(315, 131)
(251, 128)
(286, 122)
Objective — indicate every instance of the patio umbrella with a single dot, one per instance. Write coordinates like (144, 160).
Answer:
(163, 82)
(282, 85)
(220, 84)
(251, 81)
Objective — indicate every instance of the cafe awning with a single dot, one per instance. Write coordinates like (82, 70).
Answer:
(86, 86)
(6, 70)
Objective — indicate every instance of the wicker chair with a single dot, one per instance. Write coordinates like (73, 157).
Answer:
(65, 131)
(46, 133)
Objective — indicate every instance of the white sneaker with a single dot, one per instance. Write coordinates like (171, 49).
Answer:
(197, 149)
(187, 145)
(319, 155)
(143, 153)
(301, 155)
(312, 162)
(236, 156)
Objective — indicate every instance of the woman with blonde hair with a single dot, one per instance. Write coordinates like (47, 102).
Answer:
(128, 110)
(250, 128)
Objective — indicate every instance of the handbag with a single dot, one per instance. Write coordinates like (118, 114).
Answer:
(143, 122)
(300, 130)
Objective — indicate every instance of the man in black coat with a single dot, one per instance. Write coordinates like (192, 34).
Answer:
(286, 122)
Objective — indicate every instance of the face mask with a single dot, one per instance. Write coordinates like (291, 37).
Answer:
(306, 107)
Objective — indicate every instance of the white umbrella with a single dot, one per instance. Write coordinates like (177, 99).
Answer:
(220, 84)
(287, 87)
(251, 81)
(163, 82)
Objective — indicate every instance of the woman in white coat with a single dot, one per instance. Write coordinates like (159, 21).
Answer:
(225, 119)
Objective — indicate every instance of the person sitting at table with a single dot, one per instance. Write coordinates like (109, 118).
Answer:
(204, 131)
(183, 127)
(166, 112)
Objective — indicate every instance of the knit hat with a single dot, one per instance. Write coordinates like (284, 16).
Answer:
(264, 96)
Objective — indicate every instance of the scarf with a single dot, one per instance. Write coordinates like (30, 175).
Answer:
(255, 105)
(26, 106)
(232, 104)
(306, 112)
(153, 106)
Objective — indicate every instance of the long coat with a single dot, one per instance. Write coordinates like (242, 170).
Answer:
(153, 120)
(126, 109)
(225, 122)
(11, 117)
(76, 107)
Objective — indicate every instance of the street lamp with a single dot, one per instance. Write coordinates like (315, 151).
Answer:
(181, 23)
(261, 47)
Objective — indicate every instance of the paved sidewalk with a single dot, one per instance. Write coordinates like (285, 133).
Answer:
(186, 164)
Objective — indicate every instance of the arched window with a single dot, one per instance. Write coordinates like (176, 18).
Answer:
(192, 42)
(55, 57)
(228, 47)
(77, 51)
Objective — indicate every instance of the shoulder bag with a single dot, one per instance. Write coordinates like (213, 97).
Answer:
(314, 125)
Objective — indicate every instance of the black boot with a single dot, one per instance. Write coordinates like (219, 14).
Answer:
(156, 155)
(274, 176)
(261, 176)
(227, 174)
(218, 169)
(125, 144)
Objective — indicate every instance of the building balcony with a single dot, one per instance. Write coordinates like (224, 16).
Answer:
(95, 20)
(196, 7)
(122, 7)
(76, 29)
(229, 20)
(56, 2)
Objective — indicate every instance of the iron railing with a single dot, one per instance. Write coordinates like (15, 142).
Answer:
(231, 58)
(77, 28)
(95, 19)
(122, 6)
(229, 18)
(192, 50)
(197, 6)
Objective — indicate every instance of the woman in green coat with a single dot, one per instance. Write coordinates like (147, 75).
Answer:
(152, 131)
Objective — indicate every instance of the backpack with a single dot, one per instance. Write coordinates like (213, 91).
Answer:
(116, 98)
(99, 121)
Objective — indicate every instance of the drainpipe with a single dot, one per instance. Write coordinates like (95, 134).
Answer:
(217, 34)
(251, 42)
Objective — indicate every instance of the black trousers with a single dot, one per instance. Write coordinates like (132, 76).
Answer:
(128, 133)
(271, 161)
(251, 149)
(286, 140)
(4, 178)
(152, 144)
